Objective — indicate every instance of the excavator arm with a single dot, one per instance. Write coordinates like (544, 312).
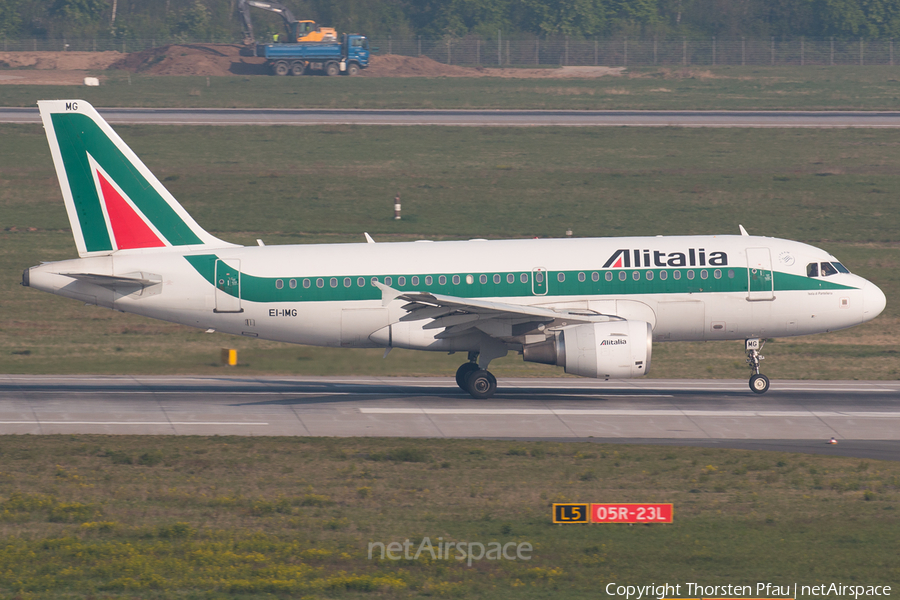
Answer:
(275, 7)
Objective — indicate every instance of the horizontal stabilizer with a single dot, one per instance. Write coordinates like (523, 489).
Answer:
(116, 281)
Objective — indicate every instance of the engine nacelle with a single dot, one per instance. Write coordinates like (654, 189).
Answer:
(609, 350)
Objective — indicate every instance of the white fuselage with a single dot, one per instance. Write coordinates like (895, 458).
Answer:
(687, 288)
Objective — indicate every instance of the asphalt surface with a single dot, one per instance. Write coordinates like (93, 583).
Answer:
(479, 118)
(797, 416)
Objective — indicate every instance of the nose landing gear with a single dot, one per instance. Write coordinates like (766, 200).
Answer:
(478, 382)
(759, 383)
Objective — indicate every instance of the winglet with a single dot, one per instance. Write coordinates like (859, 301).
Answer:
(743, 231)
(388, 294)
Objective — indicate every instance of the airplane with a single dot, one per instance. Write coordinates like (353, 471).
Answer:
(594, 306)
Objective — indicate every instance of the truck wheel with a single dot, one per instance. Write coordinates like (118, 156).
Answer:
(280, 68)
(332, 69)
(352, 69)
(298, 68)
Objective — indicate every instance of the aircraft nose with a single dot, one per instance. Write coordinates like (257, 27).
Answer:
(874, 301)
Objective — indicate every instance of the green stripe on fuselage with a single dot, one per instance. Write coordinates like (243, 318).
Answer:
(264, 289)
(78, 134)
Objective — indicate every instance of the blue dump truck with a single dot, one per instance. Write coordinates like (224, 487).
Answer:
(346, 56)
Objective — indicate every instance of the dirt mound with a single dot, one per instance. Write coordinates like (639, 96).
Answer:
(43, 77)
(226, 59)
(192, 59)
(63, 61)
(393, 65)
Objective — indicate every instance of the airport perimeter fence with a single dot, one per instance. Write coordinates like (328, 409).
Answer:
(618, 52)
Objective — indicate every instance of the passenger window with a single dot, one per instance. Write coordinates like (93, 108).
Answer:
(595, 276)
(663, 275)
(539, 277)
(649, 275)
(374, 281)
(561, 277)
(415, 280)
(361, 282)
(717, 273)
(387, 281)
(334, 282)
(347, 282)
(636, 275)
(456, 280)
(609, 275)
(428, 279)
(497, 279)
(828, 269)
(623, 276)
(306, 283)
(690, 274)
(320, 282)
(676, 275)
(279, 284)
(704, 274)
(442, 280)
(812, 270)
(401, 280)
(510, 278)
(293, 284)
(581, 277)
(482, 279)
(523, 277)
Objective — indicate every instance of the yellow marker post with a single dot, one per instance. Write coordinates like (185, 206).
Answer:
(229, 357)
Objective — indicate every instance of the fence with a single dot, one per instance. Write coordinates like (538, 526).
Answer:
(565, 52)
(643, 52)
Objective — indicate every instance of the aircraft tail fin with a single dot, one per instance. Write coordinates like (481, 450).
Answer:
(113, 200)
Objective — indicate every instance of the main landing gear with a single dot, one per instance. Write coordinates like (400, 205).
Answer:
(759, 383)
(478, 382)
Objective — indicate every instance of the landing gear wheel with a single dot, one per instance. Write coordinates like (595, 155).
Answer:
(759, 383)
(463, 372)
(481, 384)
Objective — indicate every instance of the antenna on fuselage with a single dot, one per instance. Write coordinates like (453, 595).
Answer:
(744, 231)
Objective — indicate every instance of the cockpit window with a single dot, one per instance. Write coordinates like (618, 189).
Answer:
(828, 269)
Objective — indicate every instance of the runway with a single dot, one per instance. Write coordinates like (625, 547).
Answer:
(479, 118)
(863, 416)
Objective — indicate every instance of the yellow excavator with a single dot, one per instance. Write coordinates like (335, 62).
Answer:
(297, 31)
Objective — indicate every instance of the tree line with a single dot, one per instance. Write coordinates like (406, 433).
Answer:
(440, 19)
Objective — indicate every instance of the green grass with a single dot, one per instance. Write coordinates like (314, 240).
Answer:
(693, 88)
(130, 516)
(836, 189)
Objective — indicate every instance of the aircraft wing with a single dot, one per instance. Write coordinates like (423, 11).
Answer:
(501, 320)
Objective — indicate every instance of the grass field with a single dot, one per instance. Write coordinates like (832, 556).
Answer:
(836, 189)
(693, 88)
(134, 517)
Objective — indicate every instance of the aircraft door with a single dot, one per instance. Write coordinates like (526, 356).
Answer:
(539, 281)
(228, 287)
(761, 278)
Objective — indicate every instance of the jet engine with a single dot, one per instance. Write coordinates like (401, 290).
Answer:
(609, 350)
